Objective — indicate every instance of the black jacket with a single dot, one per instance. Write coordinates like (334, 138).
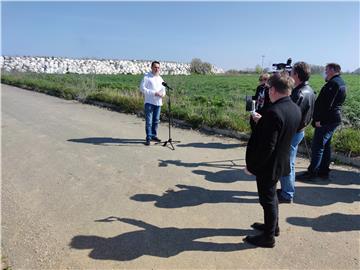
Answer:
(262, 100)
(328, 104)
(304, 97)
(261, 97)
(267, 152)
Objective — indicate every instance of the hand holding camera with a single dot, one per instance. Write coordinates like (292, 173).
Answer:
(256, 116)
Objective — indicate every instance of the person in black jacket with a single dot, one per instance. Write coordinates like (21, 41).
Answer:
(267, 153)
(304, 96)
(326, 118)
(261, 97)
(262, 100)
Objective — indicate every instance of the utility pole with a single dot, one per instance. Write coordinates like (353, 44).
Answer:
(262, 62)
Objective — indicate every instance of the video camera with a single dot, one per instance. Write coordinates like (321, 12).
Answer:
(249, 104)
(283, 66)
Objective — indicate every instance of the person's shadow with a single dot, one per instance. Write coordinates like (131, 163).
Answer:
(321, 196)
(106, 141)
(212, 145)
(155, 241)
(335, 222)
(225, 176)
(192, 196)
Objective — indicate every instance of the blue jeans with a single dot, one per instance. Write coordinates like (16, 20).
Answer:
(152, 119)
(288, 181)
(321, 150)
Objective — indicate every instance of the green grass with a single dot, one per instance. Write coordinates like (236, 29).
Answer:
(215, 101)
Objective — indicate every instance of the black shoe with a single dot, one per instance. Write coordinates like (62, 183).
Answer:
(155, 139)
(323, 175)
(306, 177)
(261, 240)
(261, 227)
(281, 198)
(147, 142)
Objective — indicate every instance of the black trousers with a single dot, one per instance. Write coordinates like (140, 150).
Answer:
(269, 202)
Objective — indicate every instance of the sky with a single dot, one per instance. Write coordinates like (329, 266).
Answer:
(229, 35)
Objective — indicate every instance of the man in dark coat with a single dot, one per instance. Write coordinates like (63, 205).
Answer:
(267, 153)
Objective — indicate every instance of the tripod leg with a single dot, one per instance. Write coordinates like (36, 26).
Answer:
(307, 149)
(170, 121)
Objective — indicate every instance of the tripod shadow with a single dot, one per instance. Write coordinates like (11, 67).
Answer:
(232, 173)
(154, 241)
(213, 145)
(321, 196)
(192, 196)
(107, 141)
(226, 164)
(335, 222)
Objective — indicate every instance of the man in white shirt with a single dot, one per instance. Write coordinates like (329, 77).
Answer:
(153, 90)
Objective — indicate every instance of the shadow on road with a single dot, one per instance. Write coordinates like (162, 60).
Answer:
(107, 141)
(335, 222)
(338, 177)
(192, 196)
(213, 145)
(225, 176)
(232, 173)
(321, 196)
(155, 241)
(225, 164)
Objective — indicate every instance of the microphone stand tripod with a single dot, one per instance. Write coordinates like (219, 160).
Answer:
(169, 141)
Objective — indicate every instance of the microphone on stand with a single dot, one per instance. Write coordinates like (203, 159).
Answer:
(166, 85)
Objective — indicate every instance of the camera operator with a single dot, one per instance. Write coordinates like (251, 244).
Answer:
(261, 97)
(304, 96)
(267, 154)
(327, 117)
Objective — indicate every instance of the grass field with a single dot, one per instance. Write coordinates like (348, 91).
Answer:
(215, 101)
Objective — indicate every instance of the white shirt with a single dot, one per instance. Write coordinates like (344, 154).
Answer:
(151, 84)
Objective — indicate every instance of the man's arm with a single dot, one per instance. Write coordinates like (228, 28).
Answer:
(324, 102)
(144, 89)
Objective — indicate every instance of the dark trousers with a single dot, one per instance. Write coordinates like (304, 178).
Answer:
(321, 148)
(269, 202)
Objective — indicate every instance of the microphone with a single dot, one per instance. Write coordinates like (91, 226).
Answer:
(166, 85)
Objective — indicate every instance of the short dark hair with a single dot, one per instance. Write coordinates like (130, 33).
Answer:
(334, 66)
(303, 71)
(282, 83)
(155, 62)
